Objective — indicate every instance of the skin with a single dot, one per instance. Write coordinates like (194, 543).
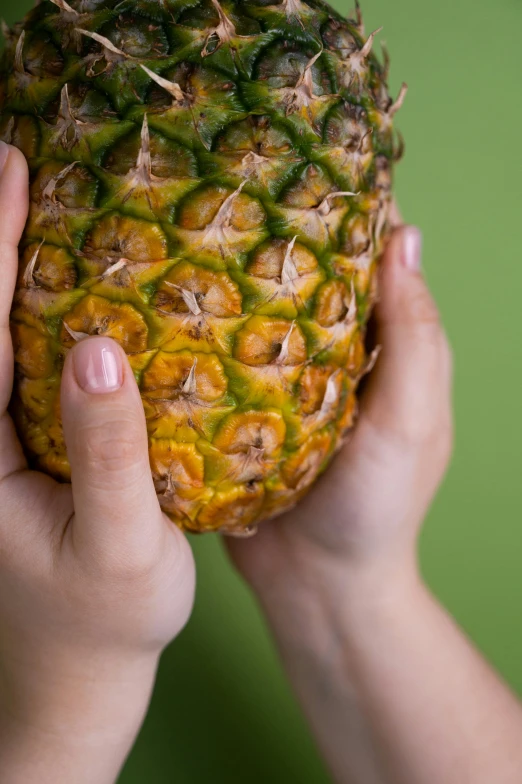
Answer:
(393, 691)
(91, 591)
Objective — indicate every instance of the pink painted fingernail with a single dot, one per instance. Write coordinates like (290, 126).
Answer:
(412, 248)
(98, 366)
(4, 154)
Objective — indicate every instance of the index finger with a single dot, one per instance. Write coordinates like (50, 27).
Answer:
(395, 216)
(14, 206)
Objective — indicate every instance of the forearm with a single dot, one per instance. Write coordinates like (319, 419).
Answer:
(437, 711)
(31, 757)
(394, 691)
(55, 730)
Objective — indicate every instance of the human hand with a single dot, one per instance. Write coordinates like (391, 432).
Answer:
(392, 688)
(94, 579)
(360, 522)
(337, 577)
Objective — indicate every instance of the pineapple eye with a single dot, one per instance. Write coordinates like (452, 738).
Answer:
(136, 40)
(42, 59)
(21, 131)
(130, 238)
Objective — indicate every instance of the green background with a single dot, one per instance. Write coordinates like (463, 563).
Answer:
(222, 712)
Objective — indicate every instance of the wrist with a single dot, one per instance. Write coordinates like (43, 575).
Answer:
(321, 595)
(90, 699)
(355, 574)
(71, 730)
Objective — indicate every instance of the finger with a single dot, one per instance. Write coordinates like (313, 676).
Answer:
(395, 217)
(104, 424)
(409, 392)
(14, 205)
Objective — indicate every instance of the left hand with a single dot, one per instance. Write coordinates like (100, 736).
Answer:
(94, 579)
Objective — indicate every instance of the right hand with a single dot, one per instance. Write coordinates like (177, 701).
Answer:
(338, 578)
(359, 525)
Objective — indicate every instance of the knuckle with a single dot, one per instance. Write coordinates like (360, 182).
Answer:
(422, 432)
(424, 311)
(428, 423)
(447, 447)
(17, 155)
(132, 569)
(442, 439)
(112, 446)
(438, 441)
(441, 450)
(447, 355)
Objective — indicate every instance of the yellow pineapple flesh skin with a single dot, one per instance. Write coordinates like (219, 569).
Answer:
(210, 187)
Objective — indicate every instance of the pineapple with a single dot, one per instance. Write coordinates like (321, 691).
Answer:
(210, 185)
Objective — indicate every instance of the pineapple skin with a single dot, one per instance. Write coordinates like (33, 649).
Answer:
(210, 187)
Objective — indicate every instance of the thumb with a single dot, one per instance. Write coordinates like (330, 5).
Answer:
(105, 432)
(409, 393)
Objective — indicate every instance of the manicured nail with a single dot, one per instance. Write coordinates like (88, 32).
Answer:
(412, 248)
(4, 154)
(98, 366)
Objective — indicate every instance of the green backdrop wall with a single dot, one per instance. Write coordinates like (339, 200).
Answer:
(222, 712)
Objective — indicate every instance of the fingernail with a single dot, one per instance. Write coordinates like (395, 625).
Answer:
(412, 248)
(97, 366)
(4, 154)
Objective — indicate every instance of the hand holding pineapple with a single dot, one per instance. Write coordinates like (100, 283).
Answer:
(365, 512)
(393, 691)
(210, 186)
(94, 580)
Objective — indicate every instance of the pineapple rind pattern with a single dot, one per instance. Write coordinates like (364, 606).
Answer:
(210, 184)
